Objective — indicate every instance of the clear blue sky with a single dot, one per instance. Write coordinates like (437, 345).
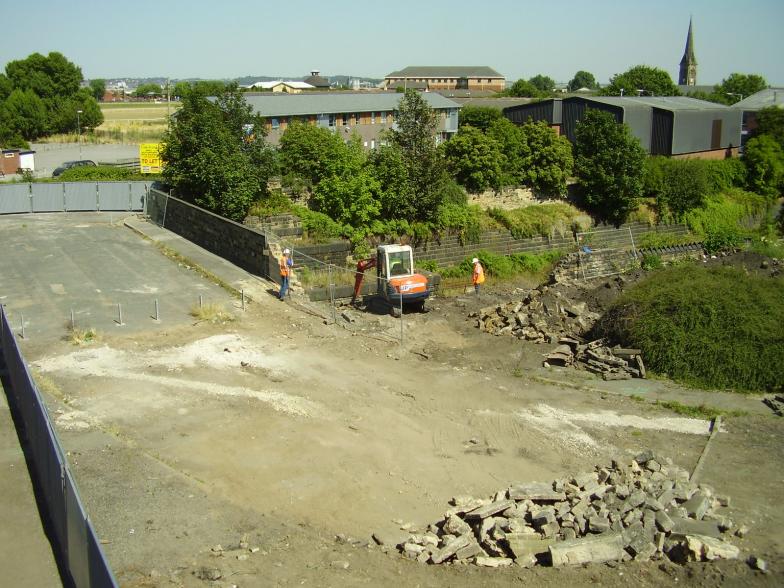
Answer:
(232, 38)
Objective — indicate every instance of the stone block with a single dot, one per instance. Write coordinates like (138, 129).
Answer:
(535, 491)
(684, 526)
(522, 545)
(596, 549)
(454, 525)
(450, 550)
(664, 522)
(709, 548)
(697, 505)
(493, 562)
(470, 550)
(489, 509)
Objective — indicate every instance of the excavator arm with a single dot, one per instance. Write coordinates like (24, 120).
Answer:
(362, 266)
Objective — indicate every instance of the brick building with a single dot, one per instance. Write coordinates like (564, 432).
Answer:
(449, 77)
(366, 113)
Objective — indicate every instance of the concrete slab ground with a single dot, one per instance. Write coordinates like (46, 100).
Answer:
(89, 263)
(26, 556)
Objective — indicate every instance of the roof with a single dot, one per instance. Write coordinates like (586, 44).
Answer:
(686, 89)
(762, 99)
(446, 71)
(673, 103)
(497, 103)
(335, 102)
(292, 84)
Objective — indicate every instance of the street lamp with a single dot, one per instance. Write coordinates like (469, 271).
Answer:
(79, 131)
(740, 96)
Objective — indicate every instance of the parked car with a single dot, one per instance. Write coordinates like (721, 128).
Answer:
(70, 164)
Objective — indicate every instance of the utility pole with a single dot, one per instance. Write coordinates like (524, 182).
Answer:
(79, 131)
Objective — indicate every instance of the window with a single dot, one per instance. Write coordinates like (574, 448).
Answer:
(356, 118)
(275, 123)
(372, 118)
(345, 119)
(382, 117)
(332, 120)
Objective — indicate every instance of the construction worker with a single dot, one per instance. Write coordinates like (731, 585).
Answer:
(478, 277)
(285, 263)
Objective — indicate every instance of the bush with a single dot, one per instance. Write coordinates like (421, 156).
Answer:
(466, 221)
(318, 227)
(499, 266)
(651, 261)
(712, 327)
(103, 173)
(719, 222)
(660, 240)
(276, 202)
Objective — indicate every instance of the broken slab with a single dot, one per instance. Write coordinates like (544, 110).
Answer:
(524, 545)
(450, 550)
(541, 492)
(595, 549)
(709, 548)
(489, 509)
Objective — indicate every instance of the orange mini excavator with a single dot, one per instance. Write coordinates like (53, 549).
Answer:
(395, 277)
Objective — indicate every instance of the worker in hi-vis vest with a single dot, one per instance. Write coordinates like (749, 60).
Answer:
(478, 277)
(285, 263)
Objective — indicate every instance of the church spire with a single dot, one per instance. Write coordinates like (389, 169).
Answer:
(688, 70)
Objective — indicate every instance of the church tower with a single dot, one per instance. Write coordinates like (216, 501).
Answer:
(688, 71)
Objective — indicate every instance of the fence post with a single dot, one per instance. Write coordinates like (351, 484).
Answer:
(242, 295)
(22, 321)
(634, 248)
(119, 314)
(401, 317)
(73, 324)
(157, 315)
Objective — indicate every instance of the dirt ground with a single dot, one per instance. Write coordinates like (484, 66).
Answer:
(304, 438)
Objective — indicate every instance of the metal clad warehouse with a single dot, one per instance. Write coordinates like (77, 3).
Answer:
(665, 125)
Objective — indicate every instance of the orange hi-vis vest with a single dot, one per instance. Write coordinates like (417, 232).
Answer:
(479, 274)
(284, 266)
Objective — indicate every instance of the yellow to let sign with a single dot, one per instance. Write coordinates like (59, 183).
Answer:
(150, 158)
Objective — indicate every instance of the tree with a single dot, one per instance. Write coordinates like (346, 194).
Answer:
(609, 165)
(475, 159)
(583, 79)
(679, 185)
(98, 88)
(181, 88)
(544, 84)
(770, 121)
(738, 85)
(210, 87)
(514, 146)
(479, 117)
(764, 159)
(149, 89)
(351, 199)
(315, 153)
(550, 161)
(416, 137)
(6, 87)
(24, 114)
(652, 80)
(397, 194)
(47, 76)
(210, 157)
(524, 89)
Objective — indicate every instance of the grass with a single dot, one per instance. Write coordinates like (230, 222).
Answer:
(311, 278)
(708, 327)
(211, 312)
(79, 336)
(698, 412)
(541, 220)
(660, 240)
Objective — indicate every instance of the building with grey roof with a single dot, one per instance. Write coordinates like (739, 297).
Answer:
(365, 113)
(317, 81)
(674, 126)
(448, 77)
(751, 105)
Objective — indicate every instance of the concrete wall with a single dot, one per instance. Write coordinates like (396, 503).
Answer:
(232, 241)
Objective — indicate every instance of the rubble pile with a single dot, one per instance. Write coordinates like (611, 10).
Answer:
(643, 509)
(775, 403)
(543, 316)
(612, 363)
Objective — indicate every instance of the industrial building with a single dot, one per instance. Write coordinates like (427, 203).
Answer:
(365, 113)
(751, 105)
(673, 126)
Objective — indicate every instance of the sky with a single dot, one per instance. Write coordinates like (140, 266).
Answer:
(289, 38)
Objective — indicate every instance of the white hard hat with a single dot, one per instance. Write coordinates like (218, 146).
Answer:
(286, 252)
(475, 260)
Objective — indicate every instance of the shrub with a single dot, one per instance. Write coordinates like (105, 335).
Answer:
(659, 240)
(719, 221)
(651, 261)
(499, 266)
(105, 173)
(276, 202)
(712, 327)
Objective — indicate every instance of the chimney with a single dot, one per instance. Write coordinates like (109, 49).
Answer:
(314, 73)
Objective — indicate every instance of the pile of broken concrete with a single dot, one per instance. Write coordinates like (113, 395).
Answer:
(643, 509)
(612, 363)
(544, 315)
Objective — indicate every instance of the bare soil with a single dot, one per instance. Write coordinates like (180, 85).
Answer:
(307, 437)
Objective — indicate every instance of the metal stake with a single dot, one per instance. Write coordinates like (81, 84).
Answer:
(119, 314)
(73, 323)
(21, 316)
(157, 316)
(634, 248)
(242, 295)
(201, 301)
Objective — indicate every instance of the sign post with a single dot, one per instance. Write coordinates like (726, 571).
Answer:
(150, 158)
